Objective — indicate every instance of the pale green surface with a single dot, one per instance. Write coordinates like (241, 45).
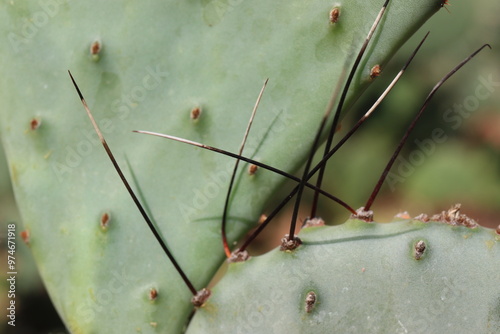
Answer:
(98, 280)
(366, 281)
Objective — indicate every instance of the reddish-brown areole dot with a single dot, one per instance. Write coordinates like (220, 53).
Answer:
(375, 71)
(419, 249)
(422, 217)
(35, 123)
(290, 245)
(311, 222)
(195, 113)
(153, 294)
(237, 256)
(454, 217)
(201, 297)
(252, 169)
(367, 216)
(25, 235)
(95, 48)
(310, 301)
(334, 15)
(105, 218)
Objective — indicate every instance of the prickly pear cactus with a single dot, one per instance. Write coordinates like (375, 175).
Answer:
(155, 65)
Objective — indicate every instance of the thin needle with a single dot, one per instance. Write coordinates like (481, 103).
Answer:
(331, 152)
(333, 127)
(369, 112)
(240, 152)
(132, 194)
(257, 163)
(412, 126)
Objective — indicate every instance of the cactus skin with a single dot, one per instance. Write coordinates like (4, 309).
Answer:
(199, 55)
(366, 279)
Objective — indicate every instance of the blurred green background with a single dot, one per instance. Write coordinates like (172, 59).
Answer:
(465, 168)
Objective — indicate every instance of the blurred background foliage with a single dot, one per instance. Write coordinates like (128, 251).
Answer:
(465, 168)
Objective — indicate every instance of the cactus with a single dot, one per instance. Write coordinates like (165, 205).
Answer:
(194, 71)
(400, 277)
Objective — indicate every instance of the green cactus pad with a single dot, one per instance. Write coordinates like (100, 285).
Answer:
(401, 277)
(147, 65)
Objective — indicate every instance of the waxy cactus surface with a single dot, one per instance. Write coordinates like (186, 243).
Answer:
(401, 277)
